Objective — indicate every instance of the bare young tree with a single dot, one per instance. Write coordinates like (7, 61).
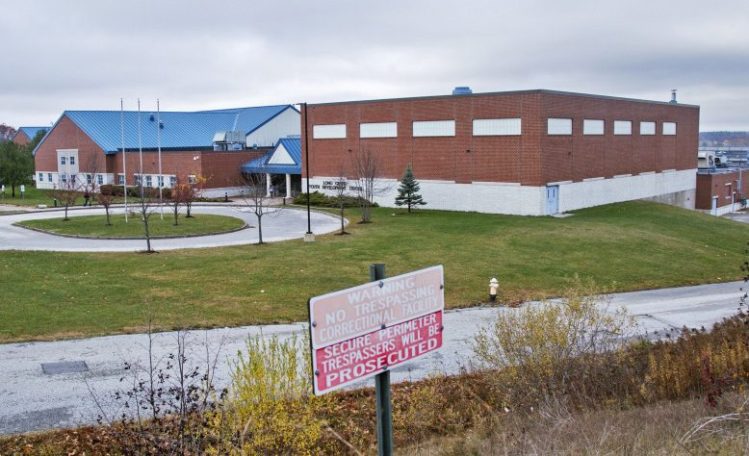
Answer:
(146, 210)
(182, 195)
(89, 182)
(105, 197)
(66, 192)
(340, 193)
(366, 165)
(254, 195)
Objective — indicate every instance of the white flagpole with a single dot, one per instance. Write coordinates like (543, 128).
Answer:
(124, 163)
(160, 179)
(140, 153)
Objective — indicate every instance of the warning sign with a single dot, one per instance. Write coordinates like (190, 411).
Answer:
(362, 331)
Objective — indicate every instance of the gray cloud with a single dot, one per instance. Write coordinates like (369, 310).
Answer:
(196, 54)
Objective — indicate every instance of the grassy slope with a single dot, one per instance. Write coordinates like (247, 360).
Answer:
(625, 246)
(95, 225)
(32, 197)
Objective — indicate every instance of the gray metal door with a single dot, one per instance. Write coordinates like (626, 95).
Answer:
(552, 199)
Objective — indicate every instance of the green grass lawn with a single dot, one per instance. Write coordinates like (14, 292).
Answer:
(95, 226)
(32, 197)
(625, 246)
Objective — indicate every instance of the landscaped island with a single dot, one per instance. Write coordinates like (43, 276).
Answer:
(95, 226)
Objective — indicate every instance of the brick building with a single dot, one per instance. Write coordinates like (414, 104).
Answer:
(530, 152)
(84, 146)
(24, 135)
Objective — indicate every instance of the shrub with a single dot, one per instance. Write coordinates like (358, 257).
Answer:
(270, 408)
(323, 200)
(544, 347)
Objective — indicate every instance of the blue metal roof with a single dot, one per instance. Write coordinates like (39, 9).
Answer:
(182, 130)
(32, 131)
(260, 165)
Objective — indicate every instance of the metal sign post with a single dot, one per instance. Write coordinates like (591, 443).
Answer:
(382, 390)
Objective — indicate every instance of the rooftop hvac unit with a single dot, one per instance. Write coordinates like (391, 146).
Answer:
(462, 90)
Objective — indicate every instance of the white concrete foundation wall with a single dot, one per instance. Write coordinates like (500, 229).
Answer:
(219, 192)
(591, 193)
(487, 197)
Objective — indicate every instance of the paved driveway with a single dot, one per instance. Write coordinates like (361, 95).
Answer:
(279, 224)
(31, 399)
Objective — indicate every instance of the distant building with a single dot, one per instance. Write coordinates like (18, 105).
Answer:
(282, 167)
(534, 152)
(212, 144)
(722, 178)
(24, 135)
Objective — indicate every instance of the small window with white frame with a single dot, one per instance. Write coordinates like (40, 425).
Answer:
(72, 159)
(172, 181)
(192, 179)
(99, 179)
(558, 126)
(647, 128)
(160, 180)
(669, 128)
(497, 127)
(593, 126)
(622, 127)
(63, 160)
(121, 179)
(41, 177)
(149, 181)
(49, 177)
(89, 179)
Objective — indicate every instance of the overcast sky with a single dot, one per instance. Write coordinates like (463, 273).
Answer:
(191, 54)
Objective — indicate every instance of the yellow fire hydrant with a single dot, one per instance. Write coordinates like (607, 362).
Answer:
(493, 289)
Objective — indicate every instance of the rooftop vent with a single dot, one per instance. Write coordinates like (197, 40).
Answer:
(673, 96)
(462, 90)
(151, 117)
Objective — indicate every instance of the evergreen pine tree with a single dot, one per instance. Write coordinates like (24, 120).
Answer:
(408, 192)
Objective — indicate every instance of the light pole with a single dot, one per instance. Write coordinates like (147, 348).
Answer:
(308, 236)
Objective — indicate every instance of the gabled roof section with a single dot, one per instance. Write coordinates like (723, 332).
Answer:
(31, 132)
(181, 130)
(290, 147)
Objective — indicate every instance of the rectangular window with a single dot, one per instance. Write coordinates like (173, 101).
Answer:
(49, 177)
(121, 179)
(64, 178)
(172, 181)
(72, 160)
(192, 179)
(647, 128)
(99, 179)
(557, 126)
(669, 128)
(73, 179)
(378, 130)
(593, 127)
(41, 177)
(334, 131)
(426, 128)
(496, 127)
(62, 160)
(160, 179)
(89, 179)
(149, 181)
(137, 179)
(622, 127)
(729, 190)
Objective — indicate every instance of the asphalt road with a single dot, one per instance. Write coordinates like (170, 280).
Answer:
(31, 399)
(278, 225)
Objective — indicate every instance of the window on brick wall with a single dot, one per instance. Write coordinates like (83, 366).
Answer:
(497, 127)
(378, 130)
(558, 126)
(172, 181)
(647, 128)
(622, 127)
(427, 128)
(729, 190)
(121, 179)
(593, 127)
(332, 131)
(669, 128)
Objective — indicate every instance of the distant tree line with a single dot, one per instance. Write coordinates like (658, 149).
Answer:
(17, 163)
